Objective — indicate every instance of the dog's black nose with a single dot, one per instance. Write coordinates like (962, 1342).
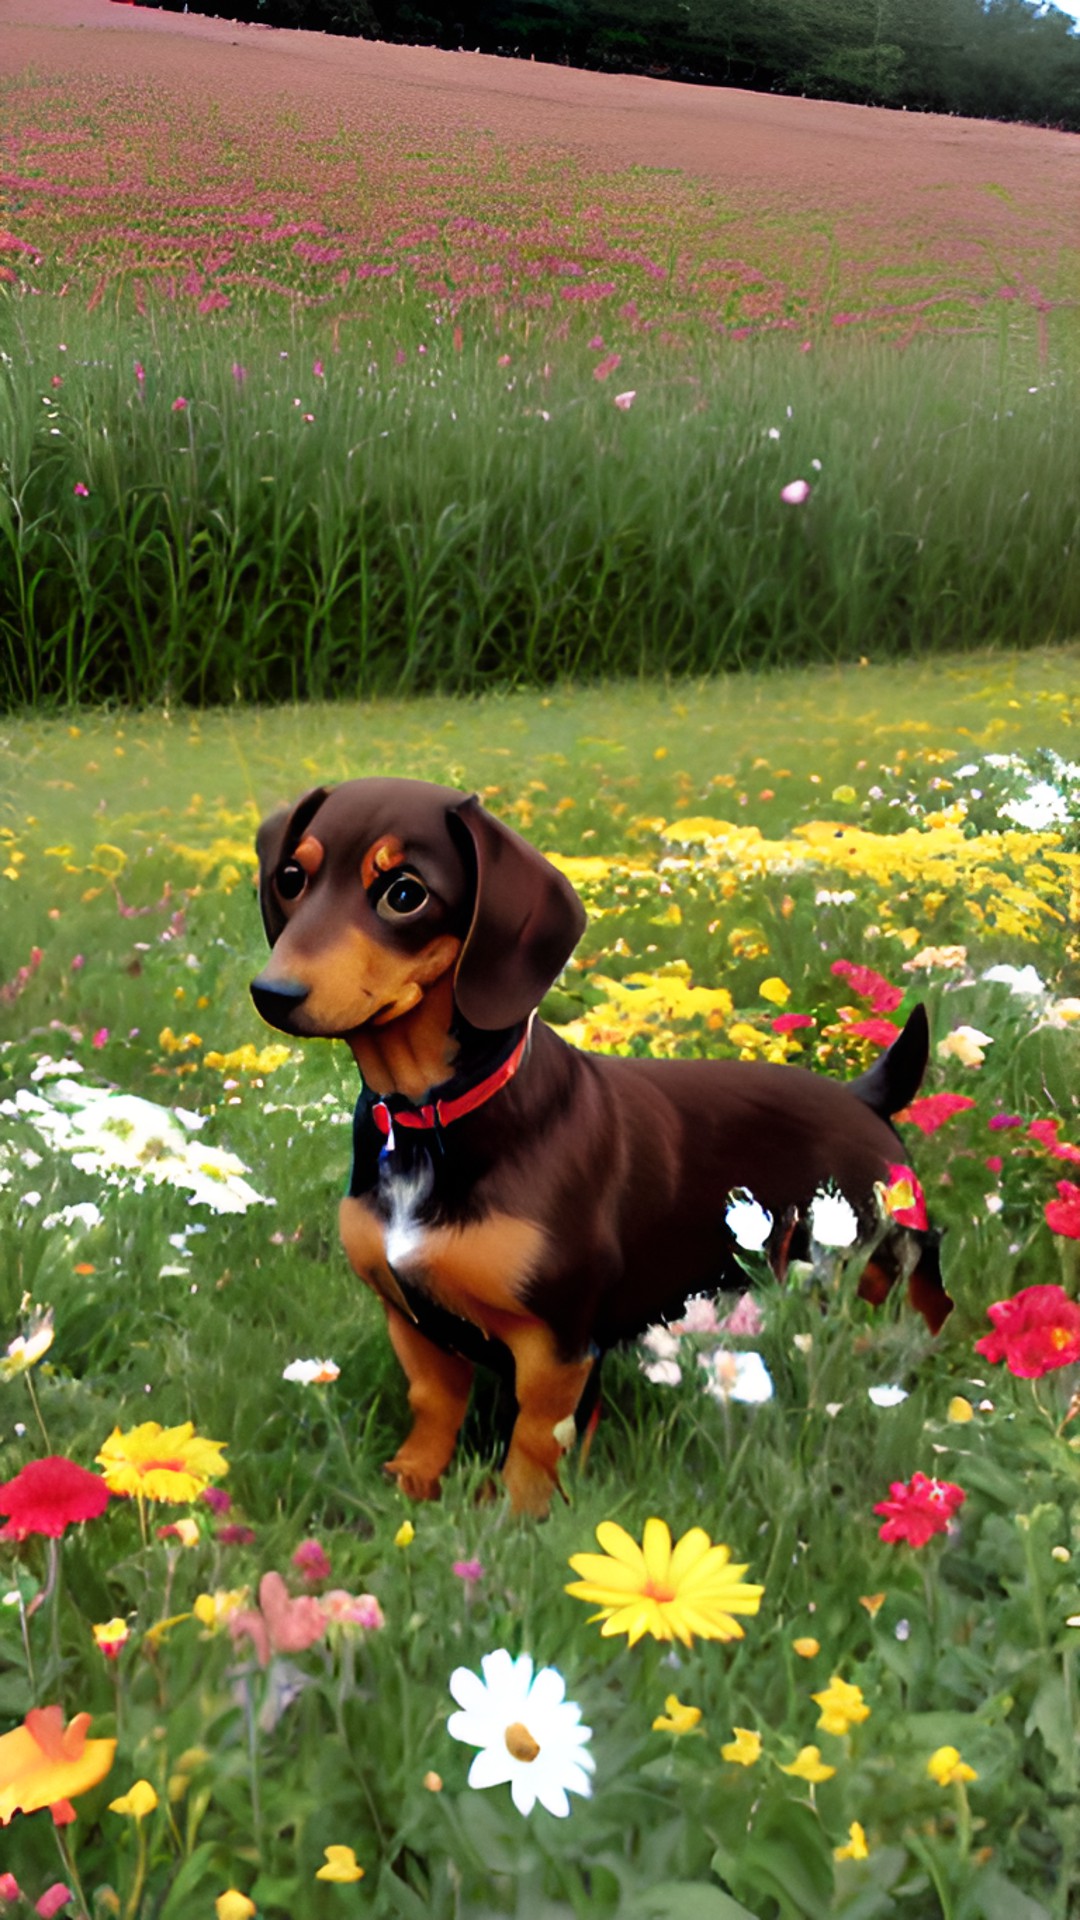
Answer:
(277, 1000)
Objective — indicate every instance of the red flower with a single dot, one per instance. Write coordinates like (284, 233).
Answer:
(791, 1022)
(918, 1509)
(934, 1109)
(1038, 1329)
(48, 1496)
(905, 1201)
(883, 997)
(1063, 1215)
(1046, 1133)
(883, 1032)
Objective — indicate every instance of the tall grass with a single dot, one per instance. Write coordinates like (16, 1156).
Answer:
(424, 513)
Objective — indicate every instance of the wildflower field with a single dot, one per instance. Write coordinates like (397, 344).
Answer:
(386, 374)
(803, 1639)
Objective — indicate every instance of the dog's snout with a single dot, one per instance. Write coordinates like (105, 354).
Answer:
(277, 1001)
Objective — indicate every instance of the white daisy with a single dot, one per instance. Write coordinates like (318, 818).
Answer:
(887, 1396)
(737, 1376)
(749, 1223)
(311, 1373)
(833, 1221)
(528, 1733)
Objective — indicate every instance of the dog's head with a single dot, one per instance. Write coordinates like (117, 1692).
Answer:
(374, 891)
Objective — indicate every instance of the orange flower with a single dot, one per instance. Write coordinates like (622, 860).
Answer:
(45, 1764)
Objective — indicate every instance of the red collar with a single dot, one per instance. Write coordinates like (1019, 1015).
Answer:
(440, 1113)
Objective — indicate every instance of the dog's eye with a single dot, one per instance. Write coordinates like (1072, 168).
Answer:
(290, 880)
(404, 897)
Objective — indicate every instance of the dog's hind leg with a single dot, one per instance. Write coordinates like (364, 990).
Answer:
(438, 1396)
(548, 1390)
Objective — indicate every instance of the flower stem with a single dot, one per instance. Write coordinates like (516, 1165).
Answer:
(71, 1873)
(140, 1874)
(37, 1411)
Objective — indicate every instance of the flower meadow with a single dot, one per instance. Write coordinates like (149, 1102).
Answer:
(297, 405)
(802, 1638)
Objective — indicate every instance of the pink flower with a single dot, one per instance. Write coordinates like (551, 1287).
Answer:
(179, 404)
(279, 1624)
(56, 381)
(607, 365)
(236, 1536)
(918, 1509)
(700, 1316)
(311, 1561)
(317, 369)
(745, 1318)
(352, 1610)
(216, 1499)
(999, 1121)
(53, 1899)
(468, 1571)
(795, 493)
(100, 1038)
(81, 492)
(78, 963)
(140, 372)
(10, 1891)
(624, 401)
(239, 373)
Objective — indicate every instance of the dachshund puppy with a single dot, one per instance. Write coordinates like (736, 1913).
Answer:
(514, 1200)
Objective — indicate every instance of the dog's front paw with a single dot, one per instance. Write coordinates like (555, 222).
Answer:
(529, 1484)
(415, 1480)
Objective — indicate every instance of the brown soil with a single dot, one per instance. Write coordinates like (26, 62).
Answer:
(761, 147)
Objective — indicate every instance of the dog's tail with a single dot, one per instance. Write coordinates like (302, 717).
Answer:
(896, 1077)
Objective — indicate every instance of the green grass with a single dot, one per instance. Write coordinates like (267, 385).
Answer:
(970, 1645)
(451, 524)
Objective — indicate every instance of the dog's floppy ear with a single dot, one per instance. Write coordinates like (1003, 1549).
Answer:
(275, 837)
(526, 922)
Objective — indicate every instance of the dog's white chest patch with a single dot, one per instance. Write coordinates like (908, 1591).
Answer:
(403, 1195)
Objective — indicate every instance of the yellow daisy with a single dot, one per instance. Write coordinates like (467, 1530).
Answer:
(153, 1462)
(674, 1593)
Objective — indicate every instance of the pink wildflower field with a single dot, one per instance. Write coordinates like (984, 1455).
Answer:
(151, 154)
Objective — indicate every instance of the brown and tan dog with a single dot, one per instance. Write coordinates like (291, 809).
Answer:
(514, 1200)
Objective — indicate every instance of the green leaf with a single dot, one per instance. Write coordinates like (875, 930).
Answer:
(863, 1886)
(1051, 1716)
(196, 1868)
(997, 1898)
(789, 1857)
(686, 1900)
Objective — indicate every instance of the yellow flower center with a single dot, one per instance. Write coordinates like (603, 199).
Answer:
(652, 1591)
(520, 1743)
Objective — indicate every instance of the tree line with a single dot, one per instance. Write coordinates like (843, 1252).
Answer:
(991, 59)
